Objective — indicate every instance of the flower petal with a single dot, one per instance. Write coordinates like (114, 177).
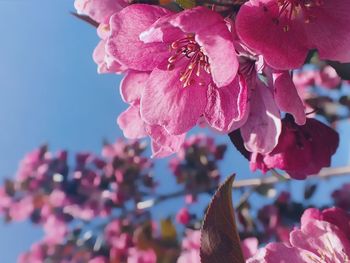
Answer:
(167, 103)
(131, 123)
(226, 106)
(287, 97)
(263, 127)
(329, 30)
(281, 41)
(212, 34)
(124, 44)
(164, 144)
(132, 86)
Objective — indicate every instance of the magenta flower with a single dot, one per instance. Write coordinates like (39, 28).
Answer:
(334, 215)
(315, 241)
(183, 216)
(301, 150)
(270, 91)
(283, 31)
(192, 65)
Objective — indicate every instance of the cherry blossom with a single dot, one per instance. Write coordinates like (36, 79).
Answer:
(299, 26)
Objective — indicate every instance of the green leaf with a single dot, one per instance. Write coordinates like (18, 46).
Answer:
(186, 4)
(220, 242)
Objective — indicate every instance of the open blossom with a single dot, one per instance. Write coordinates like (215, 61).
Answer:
(283, 31)
(301, 150)
(192, 65)
(316, 241)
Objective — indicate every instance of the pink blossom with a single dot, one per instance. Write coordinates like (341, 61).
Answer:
(315, 241)
(55, 230)
(21, 209)
(141, 256)
(304, 78)
(190, 246)
(299, 26)
(301, 150)
(261, 123)
(183, 83)
(183, 216)
(334, 215)
(249, 247)
(328, 78)
(99, 10)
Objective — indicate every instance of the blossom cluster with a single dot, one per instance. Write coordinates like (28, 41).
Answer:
(225, 65)
(48, 190)
(324, 93)
(89, 205)
(196, 165)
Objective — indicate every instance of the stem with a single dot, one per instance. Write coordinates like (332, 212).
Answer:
(275, 178)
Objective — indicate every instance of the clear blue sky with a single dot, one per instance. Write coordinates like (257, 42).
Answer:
(50, 93)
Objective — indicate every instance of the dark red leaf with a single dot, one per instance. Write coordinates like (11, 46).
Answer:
(220, 242)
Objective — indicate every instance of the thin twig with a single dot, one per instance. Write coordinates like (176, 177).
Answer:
(253, 184)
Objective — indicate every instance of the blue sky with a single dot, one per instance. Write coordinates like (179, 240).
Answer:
(50, 93)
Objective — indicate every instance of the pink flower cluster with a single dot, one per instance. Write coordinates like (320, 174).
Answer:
(227, 68)
(114, 244)
(48, 192)
(196, 165)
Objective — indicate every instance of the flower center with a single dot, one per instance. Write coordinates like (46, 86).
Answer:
(291, 9)
(187, 48)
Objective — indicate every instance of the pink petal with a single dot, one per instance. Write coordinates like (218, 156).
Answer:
(281, 253)
(287, 97)
(132, 86)
(99, 10)
(263, 127)
(131, 123)
(226, 106)
(328, 29)
(104, 63)
(124, 44)
(257, 27)
(320, 236)
(167, 103)
(164, 144)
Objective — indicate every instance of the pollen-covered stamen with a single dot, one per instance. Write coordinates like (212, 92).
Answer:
(291, 9)
(188, 48)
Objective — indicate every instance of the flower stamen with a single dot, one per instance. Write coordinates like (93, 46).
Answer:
(188, 48)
